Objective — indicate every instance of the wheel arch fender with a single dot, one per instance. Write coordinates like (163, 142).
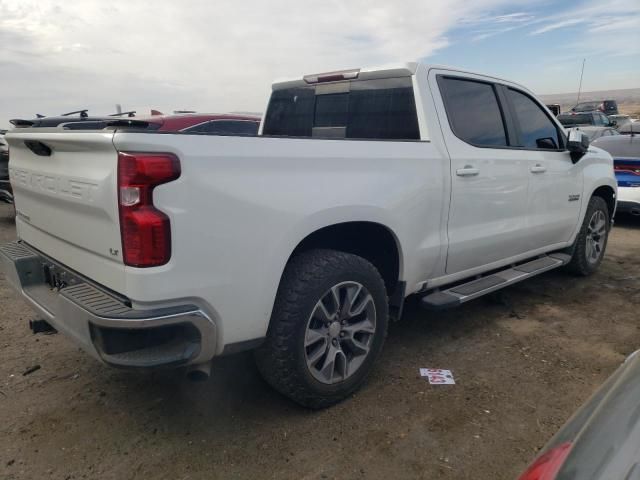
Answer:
(349, 218)
(598, 179)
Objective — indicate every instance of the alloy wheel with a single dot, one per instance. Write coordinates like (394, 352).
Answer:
(596, 236)
(340, 332)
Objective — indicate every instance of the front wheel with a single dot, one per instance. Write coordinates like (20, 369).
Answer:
(327, 328)
(591, 242)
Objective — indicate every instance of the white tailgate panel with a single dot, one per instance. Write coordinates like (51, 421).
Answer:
(66, 203)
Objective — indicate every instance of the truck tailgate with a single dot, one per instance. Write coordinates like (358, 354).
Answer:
(65, 188)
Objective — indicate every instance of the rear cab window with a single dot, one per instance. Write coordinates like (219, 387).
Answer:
(379, 109)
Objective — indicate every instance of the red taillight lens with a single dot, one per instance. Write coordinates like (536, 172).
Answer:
(145, 230)
(632, 169)
(547, 465)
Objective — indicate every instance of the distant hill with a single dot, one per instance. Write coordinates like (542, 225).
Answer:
(628, 99)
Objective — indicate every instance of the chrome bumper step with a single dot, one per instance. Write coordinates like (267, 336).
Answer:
(459, 294)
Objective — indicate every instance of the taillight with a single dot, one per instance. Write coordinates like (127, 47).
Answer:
(624, 168)
(145, 230)
(547, 465)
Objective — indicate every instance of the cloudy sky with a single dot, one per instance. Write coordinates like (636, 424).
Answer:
(222, 55)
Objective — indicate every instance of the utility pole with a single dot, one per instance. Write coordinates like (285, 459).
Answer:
(580, 87)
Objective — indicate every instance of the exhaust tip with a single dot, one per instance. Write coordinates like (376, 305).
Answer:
(199, 373)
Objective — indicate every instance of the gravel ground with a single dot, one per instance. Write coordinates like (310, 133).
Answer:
(523, 361)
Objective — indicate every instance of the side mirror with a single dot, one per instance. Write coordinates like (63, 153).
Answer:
(546, 143)
(577, 144)
(612, 123)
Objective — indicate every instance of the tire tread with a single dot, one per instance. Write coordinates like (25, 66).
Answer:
(579, 264)
(276, 358)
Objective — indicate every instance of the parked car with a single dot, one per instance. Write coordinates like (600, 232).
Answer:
(620, 120)
(625, 150)
(302, 243)
(212, 124)
(77, 120)
(554, 108)
(6, 194)
(600, 441)
(608, 107)
(596, 132)
(630, 128)
(597, 119)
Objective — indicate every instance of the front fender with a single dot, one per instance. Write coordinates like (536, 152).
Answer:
(597, 167)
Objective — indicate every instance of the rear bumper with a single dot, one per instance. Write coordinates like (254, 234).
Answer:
(629, 200)
(102, 322)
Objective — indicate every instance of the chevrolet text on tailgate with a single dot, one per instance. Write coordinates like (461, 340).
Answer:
(364, 186)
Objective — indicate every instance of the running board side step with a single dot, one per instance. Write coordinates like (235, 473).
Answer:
(459, 294)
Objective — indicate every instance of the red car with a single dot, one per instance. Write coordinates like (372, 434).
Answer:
(212, 124)
(601, 441)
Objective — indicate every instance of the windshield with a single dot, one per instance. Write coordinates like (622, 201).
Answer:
(575, 119)
(586, 107)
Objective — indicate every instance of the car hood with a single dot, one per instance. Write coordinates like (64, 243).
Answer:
(605, 432)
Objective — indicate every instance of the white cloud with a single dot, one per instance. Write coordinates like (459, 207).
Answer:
(223, 55)
(210, 56)
(622, 16)
(606, 31)
(557, 25)
(514, 17)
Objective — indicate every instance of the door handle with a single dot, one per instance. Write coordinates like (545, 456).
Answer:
(537, 168)
(467, 171)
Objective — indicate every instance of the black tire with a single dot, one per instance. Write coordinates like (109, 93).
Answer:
(580, 263)
(282, 358)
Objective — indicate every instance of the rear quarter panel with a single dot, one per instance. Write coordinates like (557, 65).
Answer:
(242, 205)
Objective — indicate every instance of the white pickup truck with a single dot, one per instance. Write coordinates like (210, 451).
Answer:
(364, 186)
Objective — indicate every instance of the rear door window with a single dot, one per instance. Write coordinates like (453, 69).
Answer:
(473, 110)
(537, 130)
(382, 109)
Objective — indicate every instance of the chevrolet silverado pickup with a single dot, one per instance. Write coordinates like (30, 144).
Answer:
(363, 187)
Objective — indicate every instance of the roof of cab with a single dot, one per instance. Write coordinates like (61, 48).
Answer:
(366, 73)
(387, 71)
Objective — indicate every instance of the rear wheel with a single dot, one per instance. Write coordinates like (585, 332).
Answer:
(328, 327)
(591, 242)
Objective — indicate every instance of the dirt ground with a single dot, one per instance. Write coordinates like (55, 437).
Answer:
(523, 361)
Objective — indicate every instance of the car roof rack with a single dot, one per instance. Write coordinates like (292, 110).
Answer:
(130, 113)
(83, 113)
(18, 122)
